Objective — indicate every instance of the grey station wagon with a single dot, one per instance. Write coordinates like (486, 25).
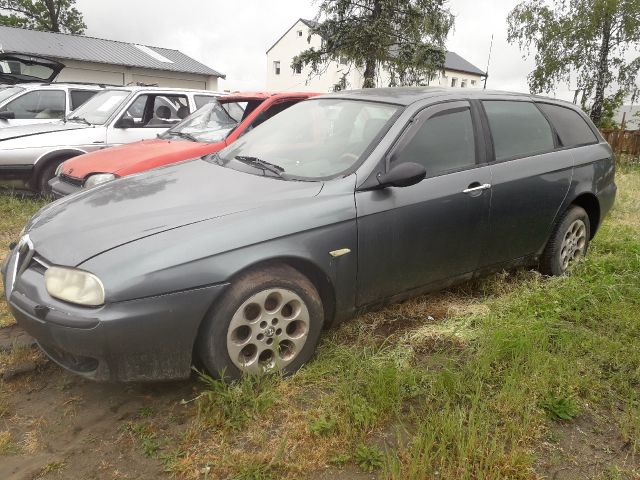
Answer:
(337, 205)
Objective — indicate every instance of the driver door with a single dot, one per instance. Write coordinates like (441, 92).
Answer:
(146, 117)
(416, 236)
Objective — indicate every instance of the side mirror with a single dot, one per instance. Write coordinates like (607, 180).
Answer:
(7, 115)
(125, 122)
(402, 175)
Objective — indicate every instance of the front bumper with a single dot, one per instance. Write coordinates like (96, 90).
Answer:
(137, 340)
(60, 188)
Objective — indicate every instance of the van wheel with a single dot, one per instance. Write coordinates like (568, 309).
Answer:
(568, 243)
(47, 173)
(269, 320)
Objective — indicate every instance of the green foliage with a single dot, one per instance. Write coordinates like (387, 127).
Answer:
(232, 404)
(561, 408)
(322, 426)
(368, 458)
(586, 39)
(406, 39)
(45, 15)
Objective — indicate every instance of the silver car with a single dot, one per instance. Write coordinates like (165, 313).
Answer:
(31, 154)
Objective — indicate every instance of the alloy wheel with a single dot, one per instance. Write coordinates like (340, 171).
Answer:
(574, 244)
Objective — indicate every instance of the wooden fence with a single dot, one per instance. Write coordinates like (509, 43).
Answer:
(623, 141)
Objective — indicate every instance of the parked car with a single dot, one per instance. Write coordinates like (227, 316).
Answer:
(27, 95)
(30, 154)
(339, 204)
(208, 130)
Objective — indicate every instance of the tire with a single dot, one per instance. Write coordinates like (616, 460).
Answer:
(46, 174)
(568, 243)
(275, 309)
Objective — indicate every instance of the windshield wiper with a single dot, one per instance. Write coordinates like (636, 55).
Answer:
(79, 119)
(261, 164)
(188, 136)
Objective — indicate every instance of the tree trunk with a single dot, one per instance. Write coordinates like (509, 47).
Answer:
(603, 70)
(370, 63)
(53, 15)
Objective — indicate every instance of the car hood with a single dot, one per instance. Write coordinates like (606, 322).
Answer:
(8, 133)
(81, 226)
(136, 157)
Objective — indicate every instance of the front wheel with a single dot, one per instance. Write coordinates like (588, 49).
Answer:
(568, 243)
(268, 320)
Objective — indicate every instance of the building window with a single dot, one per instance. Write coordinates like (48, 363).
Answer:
(464, 83)
(473, 83)
(276, 67)
(299, 33)
(454, 82)
(297, 70)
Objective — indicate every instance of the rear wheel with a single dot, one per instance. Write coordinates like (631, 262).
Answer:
(268, 320)
(568, 243)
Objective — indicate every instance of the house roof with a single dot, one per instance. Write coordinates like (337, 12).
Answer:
(99, 50)
(453, 61)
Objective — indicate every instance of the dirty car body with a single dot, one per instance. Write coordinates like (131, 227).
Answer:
(365, 225)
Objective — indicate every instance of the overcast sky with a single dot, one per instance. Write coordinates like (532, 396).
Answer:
(233, 37)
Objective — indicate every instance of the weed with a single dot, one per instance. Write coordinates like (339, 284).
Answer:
(51, 468)
(340, 459)
(368, 458)
(146, 436)
(6, 443)
(561, 408)
(322, 426)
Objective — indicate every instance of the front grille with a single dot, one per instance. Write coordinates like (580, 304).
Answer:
(72, 180)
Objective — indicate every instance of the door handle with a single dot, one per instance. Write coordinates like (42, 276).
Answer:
(477, 188)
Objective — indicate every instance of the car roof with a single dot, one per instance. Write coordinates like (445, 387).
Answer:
(407, 95)
(36, 85)
(140, 88)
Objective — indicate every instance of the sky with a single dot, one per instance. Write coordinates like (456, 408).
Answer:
(233, 37)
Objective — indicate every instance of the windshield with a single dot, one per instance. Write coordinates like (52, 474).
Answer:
(7, 93)
(99, 108)
(312, 139)
(209, 124)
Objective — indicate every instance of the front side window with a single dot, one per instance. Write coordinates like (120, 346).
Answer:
(156, 111)
(445, 142)
(99, 108)
(312, 139)
(202, 100)
(38, 104)
(571, 127)
(518, 129)
(212, 123)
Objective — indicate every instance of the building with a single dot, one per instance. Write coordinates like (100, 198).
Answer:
(97, 60)
(457, 73)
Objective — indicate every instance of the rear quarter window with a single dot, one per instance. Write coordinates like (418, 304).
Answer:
(518, 129)
(572, 129)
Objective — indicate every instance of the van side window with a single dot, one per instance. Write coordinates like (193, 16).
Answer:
(571, 127)
(78, 97)
(445, 142)
(518, 129)
(44, 104)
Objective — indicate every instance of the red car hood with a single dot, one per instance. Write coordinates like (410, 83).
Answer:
(137, 157)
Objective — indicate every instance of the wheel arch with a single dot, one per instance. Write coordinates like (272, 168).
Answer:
(590, 203)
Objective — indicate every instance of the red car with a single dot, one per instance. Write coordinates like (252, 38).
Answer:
(207, 130)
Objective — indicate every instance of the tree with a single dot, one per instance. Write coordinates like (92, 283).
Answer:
(405, 37)
(589, 39)
(45, 15)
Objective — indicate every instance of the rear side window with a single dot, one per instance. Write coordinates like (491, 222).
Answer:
(444, 142)
(518, 129)
(39, 104)
(571, 127)
(202, 100)
(78, 97)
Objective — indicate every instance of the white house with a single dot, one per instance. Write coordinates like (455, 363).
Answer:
(458, 72)
(97, 60)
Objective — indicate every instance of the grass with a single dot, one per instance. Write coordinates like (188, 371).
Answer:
(463, 384)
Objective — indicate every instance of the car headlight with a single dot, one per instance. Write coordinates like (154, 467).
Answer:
(59, 169)
(75, 286)
(98, 178)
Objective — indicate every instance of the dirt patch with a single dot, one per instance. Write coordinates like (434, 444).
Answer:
(586, 448)
(57, 425)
